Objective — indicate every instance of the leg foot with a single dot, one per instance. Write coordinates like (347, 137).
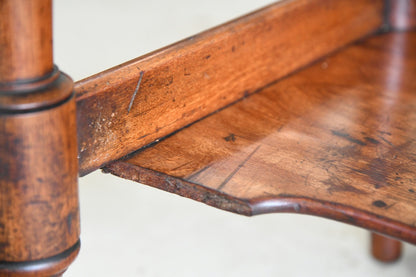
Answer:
(385, 249)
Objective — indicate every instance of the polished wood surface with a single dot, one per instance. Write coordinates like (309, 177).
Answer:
(336, 139)
(385, 249)
(52, 266)
(30, 56)
(39, 210)
(38, 192)
(134, 104)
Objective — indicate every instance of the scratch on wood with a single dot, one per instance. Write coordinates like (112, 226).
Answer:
(193, 176)
(179, 166)
(135, 91)
(372, 140)
(237, 168)
(385, 140)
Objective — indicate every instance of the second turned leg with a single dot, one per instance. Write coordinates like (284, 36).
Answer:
(385, 249)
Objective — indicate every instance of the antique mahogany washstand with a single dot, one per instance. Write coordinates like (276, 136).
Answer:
(303, 106)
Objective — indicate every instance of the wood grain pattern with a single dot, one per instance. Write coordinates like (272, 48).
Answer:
(38, 184)
(336, 139)
(30, 56)
(39, 210)
(195, 77)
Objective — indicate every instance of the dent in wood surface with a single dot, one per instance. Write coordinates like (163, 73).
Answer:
(336, 139)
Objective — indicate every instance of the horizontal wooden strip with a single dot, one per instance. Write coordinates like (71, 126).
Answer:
(195, 77)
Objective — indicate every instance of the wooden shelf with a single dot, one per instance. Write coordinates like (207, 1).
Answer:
(336, 139)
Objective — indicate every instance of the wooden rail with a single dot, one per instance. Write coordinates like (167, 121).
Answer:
(141, 101)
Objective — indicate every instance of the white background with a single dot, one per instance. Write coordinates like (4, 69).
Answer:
(129, 229)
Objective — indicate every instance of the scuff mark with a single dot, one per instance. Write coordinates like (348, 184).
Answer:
(385, 140)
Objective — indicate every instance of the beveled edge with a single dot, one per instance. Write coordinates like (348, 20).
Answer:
(52, 90)
(52, 266)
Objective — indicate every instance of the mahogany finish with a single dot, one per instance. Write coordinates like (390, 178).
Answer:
(385, 249)
(134, 104)
(39, 211)
(336, 139)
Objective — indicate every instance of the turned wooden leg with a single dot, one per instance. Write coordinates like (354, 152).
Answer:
(39, 211)
(385, 249)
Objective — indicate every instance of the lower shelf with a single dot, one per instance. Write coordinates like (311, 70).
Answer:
(336, 139)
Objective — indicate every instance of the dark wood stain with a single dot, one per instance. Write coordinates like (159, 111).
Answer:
(347, 137)
(336, 185)
(379, 204)
(372, 140)
(230, 137)
(376, 172)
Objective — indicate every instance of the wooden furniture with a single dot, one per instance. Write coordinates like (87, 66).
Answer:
(303, 106)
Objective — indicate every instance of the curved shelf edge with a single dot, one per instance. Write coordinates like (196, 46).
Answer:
(334, 211)
(249, 207)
